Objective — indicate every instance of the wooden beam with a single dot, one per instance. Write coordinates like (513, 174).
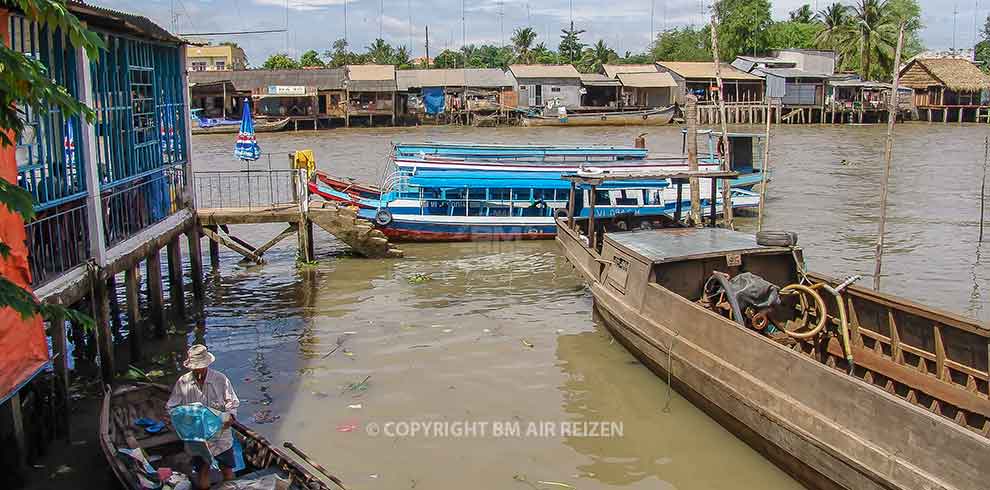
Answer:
(196, 263)
(214, 251)
(288, 231)
(233, 246)
(176, 290)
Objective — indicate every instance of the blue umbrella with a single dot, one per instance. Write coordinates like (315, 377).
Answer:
(246, 147)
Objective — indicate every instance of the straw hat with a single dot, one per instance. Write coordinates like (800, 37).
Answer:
(198, 357)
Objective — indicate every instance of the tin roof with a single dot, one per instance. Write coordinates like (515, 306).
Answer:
(117, 21)
(371, 72)
(612, 70)
(705, 69)
(598, 80)
(647, 80)
(676, 244)
(247, 80)
(791, 73)
(470, 77)
(544, 71)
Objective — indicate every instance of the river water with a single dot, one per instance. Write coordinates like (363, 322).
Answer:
(352, 354)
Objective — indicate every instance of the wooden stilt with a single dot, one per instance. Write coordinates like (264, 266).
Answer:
(104, 339)
(13, 410)
(60, 363)
(114, 307)
(214, 251)
(196, 263)
(134, 327)
(961, 112)
(78, 339)
(176, 289)
(153, 266)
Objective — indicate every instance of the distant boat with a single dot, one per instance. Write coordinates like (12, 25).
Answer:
(224, 127)
(497, 151)
(649, 117)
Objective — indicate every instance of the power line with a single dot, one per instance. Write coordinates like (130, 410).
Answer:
(232, 33)
(381, 18)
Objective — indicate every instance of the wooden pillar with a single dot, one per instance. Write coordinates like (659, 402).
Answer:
(571, 219)
(13, 409)
(134, 327)
(176, 289)
(60, 364)
(591, 217)
(196, 263)
(114, 306)
(214, 251)
(305, 229)
(961, 112)
(104, 340)
(153, 266)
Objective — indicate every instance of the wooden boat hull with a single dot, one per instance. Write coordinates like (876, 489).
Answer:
(129, 402)
(259, 127)
(655, 117)
(825, 428)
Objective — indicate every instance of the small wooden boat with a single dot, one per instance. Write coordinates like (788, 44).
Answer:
(259, 127)
(530, 152)
(850, 388)
(348, 186)
(650, 117)
(128, 403)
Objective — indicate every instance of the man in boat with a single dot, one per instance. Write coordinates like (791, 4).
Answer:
(211, 388)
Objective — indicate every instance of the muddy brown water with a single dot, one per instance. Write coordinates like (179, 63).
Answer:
(502, 333)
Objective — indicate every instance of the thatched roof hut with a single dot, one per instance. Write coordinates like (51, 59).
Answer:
(955, 74)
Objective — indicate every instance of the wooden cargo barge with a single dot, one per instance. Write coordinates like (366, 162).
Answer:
(909, 412)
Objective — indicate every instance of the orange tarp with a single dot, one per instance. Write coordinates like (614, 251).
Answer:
(23, 349)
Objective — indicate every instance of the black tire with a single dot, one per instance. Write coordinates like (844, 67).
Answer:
(383, 217)
(777, 238)
(645, 225)
(560, 213)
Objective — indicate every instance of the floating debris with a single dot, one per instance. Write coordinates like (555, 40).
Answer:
(486, 330)
(355, 406)
(419, 278)
(357, 388)
(346, 427)
(448, 330)
(265, 417)
(554, 483)
(527, 343)
(321, 395)
(420, 346)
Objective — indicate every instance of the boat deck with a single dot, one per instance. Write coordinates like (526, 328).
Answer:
(670, 245)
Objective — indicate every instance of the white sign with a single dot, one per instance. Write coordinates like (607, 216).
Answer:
(286, 90)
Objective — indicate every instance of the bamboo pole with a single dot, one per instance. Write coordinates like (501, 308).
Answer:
(983, 187)
(763, 173)
(691, 117)
(726, 184)
(888, 155)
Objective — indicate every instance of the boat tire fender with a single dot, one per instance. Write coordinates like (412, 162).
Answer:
(560, 213)
(777, 238)
(383, 217)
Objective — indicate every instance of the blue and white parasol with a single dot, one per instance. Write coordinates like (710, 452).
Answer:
(246, 147)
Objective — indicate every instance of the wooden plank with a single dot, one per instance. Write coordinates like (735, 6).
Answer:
(288, 231)
(153, 267)
(233, 246)
(939, 354)
(60, 363)
(134, 327)
(214, 251)
(895, 338)
(288, 213)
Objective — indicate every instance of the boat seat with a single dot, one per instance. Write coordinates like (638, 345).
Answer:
(157, 440)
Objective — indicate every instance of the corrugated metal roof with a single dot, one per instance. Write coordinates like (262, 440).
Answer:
(459, 77)
(675, 244)
(247, 80)
(598, 80)
(544, 71)
(116, 21)
(371, 72)
(790, 73)
(371, 85)
(705, 69)
(647, 80)
(612, 70)
(767, 60)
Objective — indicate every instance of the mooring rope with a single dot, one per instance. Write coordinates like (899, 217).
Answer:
(670, 349)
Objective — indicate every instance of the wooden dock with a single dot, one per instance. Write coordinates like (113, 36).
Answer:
(299, 215)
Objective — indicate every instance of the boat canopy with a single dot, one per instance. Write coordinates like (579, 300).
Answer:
(660, 246)
(469, 149)
(450, 179)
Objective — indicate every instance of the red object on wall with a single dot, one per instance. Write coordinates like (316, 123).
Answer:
(23, 349)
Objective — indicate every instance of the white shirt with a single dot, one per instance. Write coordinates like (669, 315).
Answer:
(217, 393)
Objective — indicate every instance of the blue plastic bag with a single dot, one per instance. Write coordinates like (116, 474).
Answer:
(196, 422)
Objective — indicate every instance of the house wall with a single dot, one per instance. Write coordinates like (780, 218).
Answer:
(917, 77)
(568, 90)
(651, 97)
(677, 93)
(822, 62)
(803, 94)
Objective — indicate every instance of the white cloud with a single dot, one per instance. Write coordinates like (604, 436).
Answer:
(304, 4)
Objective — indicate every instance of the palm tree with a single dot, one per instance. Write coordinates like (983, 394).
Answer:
(599, 54)
(522, 40)
(872, 24)
(380, 52)
(401, 58)
(470, 56)
(804, 14)
(835, 29)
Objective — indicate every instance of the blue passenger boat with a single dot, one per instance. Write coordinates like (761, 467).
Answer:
(466, 205)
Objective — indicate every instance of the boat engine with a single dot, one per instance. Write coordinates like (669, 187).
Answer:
(746, 298)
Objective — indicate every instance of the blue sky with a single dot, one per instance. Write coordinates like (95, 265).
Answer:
(624, 24)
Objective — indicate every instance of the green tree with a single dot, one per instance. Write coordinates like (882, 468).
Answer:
(280, 61)
(571, 47)
(338, 54)
(25, 85)
(448, 59)
(804, 14)
(311, 59)
(380, 52)
(593, 58)
(743, 26)
(522, 44)
(982, 48)
(544, 55)
(401, 59)
(683, 44)
(874, 30)
(835, 30)
(793, 34)
(471, 57)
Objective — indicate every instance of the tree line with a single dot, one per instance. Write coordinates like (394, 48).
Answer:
(863, 35)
